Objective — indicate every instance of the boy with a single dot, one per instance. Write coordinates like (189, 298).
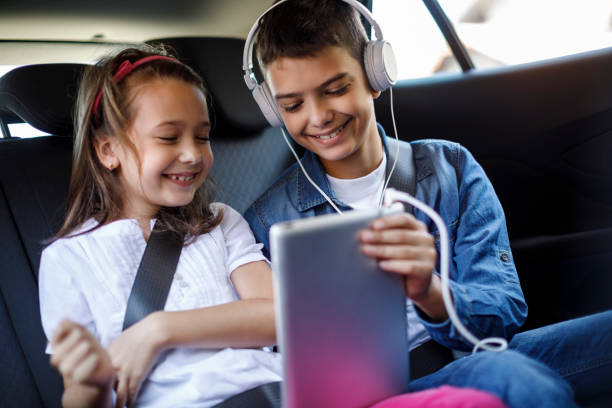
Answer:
(311, 53)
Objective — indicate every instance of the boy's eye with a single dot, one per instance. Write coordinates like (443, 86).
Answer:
(338, 91)
(203, 139)
(292, 107)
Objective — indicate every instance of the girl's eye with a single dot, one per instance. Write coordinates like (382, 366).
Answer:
(203, 139)
(168, 138)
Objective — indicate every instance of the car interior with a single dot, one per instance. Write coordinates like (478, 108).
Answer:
(543, 136)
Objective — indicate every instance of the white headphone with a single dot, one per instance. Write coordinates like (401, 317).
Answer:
(379, 62)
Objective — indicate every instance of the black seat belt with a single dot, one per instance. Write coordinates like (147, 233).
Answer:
(154, 276)
(263, 396)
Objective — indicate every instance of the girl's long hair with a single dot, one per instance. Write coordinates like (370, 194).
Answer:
(95, 191)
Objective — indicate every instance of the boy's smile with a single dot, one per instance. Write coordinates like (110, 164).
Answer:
(328, 107)
(330, 137)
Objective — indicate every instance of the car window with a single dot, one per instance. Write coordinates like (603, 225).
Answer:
(495, 32)
(24, 130)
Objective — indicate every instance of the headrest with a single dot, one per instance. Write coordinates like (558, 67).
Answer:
(219, 62)
(42, 95)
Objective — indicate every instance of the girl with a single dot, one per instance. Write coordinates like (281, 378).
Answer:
(142, 153)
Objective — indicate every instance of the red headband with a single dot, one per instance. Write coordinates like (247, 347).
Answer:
(124, 69)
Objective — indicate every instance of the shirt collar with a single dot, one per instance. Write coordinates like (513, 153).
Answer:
(308, 196)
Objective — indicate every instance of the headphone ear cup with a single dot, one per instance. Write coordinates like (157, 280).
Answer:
(380, 64)
(266, 103)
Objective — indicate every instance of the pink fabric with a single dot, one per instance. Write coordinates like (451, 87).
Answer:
(443, 397)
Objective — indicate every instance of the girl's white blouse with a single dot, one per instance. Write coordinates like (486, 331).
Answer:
(88, 279)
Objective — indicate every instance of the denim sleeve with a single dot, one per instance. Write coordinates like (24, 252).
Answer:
(259, 229)
(484, 284)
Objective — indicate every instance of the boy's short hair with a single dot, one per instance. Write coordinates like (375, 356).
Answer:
(302, 28)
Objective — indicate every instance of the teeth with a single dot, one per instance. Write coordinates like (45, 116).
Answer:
(331, 135)
(180, 178)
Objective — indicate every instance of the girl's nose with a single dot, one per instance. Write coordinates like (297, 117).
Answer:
(190, 152)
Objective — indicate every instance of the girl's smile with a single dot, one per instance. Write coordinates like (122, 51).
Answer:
(182, 179)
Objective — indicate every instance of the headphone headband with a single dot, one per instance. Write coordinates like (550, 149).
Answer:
(379, 63)
(247, 55)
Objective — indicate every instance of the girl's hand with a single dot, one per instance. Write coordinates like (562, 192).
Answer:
(133, 354)
(402, 245)
(79, 357)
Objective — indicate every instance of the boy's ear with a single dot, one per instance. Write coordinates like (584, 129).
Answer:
(106, 149)
(376, 94)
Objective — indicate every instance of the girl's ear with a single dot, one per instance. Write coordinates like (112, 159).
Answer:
(106, 149)
(376, 94)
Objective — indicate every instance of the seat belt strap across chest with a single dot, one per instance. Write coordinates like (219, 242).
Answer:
(154, 276)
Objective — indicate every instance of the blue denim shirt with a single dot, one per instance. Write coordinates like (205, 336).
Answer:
(444, 175)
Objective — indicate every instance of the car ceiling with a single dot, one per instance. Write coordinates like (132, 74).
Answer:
(126, 20)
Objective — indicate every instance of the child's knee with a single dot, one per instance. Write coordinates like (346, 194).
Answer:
(520, 381)
(516, 379)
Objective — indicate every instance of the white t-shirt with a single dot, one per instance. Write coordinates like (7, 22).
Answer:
(88, 279)
(363, 193)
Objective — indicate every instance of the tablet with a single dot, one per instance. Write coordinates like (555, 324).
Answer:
(341, 321)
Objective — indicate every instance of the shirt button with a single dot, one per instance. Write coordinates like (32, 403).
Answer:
(504, 257)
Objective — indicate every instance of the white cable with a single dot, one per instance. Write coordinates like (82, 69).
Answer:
(391, 195)
(299, 162)
(490, 343)
(397, 149)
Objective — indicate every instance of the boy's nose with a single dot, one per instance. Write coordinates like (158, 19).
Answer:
(320, 114)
